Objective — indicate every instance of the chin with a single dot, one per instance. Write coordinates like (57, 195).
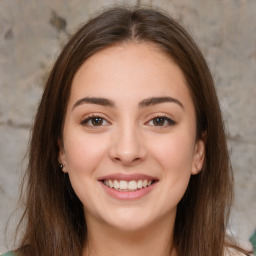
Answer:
(130, 221)
(130, 226)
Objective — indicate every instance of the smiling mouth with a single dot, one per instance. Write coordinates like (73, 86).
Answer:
(128, 186)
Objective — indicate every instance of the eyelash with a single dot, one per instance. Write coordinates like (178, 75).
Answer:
(89, 119)
(169, 121)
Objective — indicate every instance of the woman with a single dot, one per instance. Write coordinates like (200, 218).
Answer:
(128, 154)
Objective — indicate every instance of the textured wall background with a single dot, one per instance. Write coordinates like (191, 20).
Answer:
(32, 33)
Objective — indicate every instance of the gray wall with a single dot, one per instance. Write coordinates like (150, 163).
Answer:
(32, 33)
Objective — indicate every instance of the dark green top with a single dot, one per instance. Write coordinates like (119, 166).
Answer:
(8, 254)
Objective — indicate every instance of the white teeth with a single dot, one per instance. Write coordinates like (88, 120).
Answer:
(111, 183)
(124, 185)
(132, 185)
(144, 183)
(116, 184)
(139, 184)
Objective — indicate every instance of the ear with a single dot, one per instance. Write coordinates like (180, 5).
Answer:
(62, 156)
(199, 154)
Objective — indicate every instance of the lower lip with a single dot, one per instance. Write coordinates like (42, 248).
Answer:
(125, 195)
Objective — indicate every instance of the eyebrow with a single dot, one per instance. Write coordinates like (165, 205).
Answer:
(157, 100)
(144, 103)
(97, 101)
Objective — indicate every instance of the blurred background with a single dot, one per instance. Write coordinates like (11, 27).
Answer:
(32, 32)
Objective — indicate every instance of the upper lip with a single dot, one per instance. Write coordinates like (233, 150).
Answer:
(127, 177)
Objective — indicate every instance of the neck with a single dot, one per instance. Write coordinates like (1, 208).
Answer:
(155, 240)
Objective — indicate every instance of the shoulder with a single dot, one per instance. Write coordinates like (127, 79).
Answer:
(234, 252)
(8, 254)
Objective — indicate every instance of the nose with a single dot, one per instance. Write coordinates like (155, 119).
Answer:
(127, 147)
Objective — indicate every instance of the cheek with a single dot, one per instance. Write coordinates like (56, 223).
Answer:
(84, 152)
(174, 153)
(83, 155)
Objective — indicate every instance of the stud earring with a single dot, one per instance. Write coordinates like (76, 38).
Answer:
(197, 170)
(61, 166)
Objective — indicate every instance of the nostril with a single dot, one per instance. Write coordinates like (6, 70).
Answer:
(127, 148)
(127, 160)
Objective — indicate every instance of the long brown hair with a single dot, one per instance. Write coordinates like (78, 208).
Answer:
(53, 215)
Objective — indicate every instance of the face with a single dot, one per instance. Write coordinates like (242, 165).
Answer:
(129, 139)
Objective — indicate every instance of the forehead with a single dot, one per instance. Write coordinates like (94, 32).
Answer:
(143, 69)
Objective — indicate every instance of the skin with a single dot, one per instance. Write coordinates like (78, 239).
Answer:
(129, 140)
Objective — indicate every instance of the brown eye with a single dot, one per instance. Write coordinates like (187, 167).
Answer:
(97, 121)
(94, 121)
(159, 121)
